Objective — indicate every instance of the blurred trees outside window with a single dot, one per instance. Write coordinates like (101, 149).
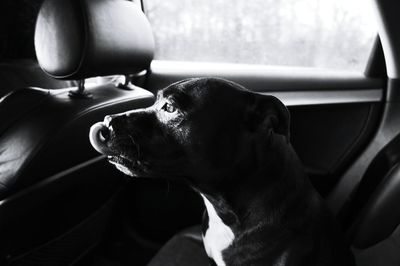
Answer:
(309, 33)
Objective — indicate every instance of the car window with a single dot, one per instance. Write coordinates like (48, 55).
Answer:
(309, 33)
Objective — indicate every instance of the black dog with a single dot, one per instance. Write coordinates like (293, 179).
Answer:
(232, 146)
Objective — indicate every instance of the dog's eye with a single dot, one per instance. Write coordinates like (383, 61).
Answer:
(169, 108)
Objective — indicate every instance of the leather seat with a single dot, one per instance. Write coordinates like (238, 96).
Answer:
(19, 69)
(46, 110)
(56, 192)
(185, 248)
(375, 232)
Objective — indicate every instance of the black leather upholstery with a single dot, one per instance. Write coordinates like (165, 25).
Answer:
(44, 189)
(375, 232)
(76, 39)
(385, 252)
(16, 74)
(185, 248)
(55, 189)
(380, 216)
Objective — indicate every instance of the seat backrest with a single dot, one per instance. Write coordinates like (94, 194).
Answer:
(375, 232)
(52, 182)
(116, 39)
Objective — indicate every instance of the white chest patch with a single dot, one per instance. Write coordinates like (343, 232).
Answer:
(218, 235)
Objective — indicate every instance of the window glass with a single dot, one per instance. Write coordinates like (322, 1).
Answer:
(309, 33)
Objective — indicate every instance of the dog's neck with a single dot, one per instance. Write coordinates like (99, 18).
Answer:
(243, 201)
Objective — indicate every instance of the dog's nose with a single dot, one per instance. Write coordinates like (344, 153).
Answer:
(104, 134)
(99, 135)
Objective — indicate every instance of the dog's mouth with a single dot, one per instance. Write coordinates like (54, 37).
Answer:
(125, 165)
(122, 152)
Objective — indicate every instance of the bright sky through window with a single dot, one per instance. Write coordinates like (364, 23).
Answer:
(309, 33)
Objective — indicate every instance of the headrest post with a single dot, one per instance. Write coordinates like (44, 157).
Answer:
(126, 84)
(81, 86)
(80, 91)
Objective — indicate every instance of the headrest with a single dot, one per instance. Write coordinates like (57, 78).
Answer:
(77, 39)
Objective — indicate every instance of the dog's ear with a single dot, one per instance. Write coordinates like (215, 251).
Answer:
(267, 112)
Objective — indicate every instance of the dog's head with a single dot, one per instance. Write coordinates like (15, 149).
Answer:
(198, 129)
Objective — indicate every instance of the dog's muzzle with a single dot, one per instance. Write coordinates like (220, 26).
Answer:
(99, 135)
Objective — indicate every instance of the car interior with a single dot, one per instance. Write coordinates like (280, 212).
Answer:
(62, 203)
